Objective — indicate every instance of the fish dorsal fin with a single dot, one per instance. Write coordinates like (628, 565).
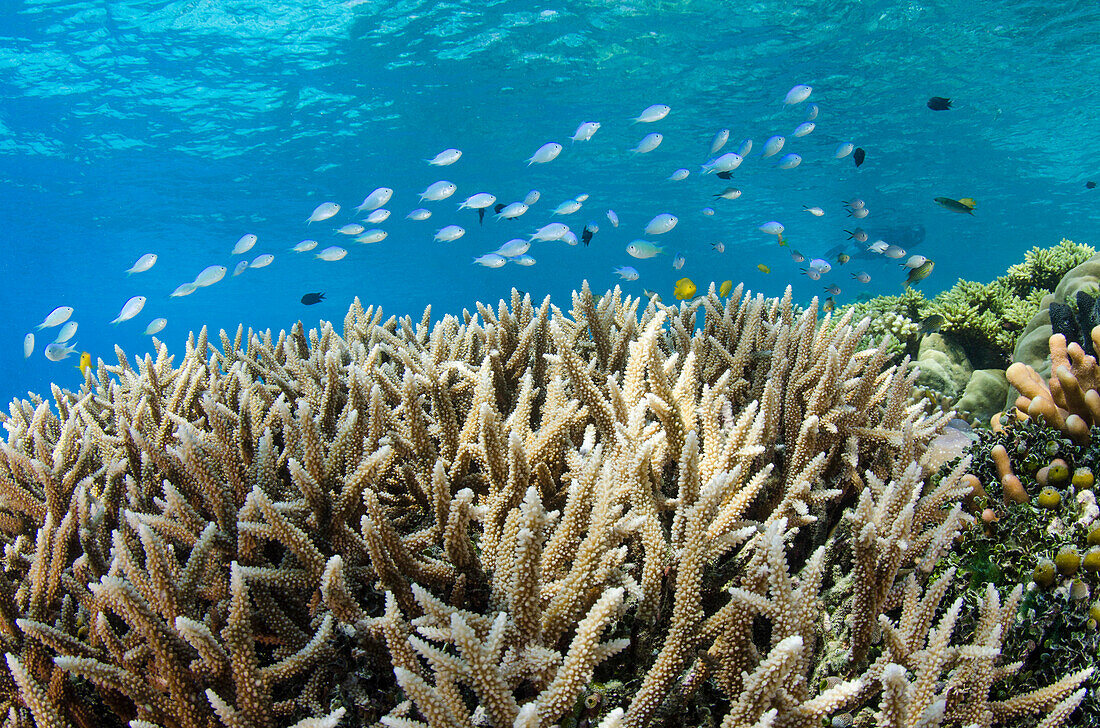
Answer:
(968, 202)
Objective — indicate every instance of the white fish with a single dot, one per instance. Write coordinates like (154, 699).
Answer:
(449, 233)
(553, 231)
(894, 251)
(155, 326)
(419, 214)
(304, 246)
(789, 161)
(648, 143)
(477, 202)
(375, 199)
(726, 163)
(491, 260)
(719, 140)
(915, 261)
(718, 246)
(210, 275)
(377, 216)
(241, 267)
(678, 261)
(803, 129)
(28, 345)
(446, 157)
(860, 212)
(798, 94)
(57, 352)
(570, 238)
(512, 210)
(708, 211)
(440, 190)
(811, 112)
(613, 218)
(661, 224)
(642, 249)
(69, 329)
(322, 212)
(567, 208)
(514, 247)
(261, 261)
(820, 265)
(627, 273)
(143, 264)
(186, 289)
(531, 198)
(855, 203)
(352, 228)
(730, 193)
(773, 145)
(332, 253)
(844, 149)
(653, 113)
(812, 274)
(524, 260)
(797, 257)
(680, 174)
(745, 148)
(57, 317)
(772, 228)
(862, 277)
(585, 131)
(582, 197)
(815, 211)
(130, 309)
(546, 153)
(244, 244)
(879, 246)
(372, 236)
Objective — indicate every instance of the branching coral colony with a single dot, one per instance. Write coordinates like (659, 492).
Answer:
(519, 517)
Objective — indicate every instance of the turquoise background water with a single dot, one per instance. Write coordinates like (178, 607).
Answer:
(130, 126)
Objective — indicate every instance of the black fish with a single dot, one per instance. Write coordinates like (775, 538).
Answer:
(480, 215)
(939, 103)
(1090, 185)
(586, 235)
(724, 175)
(311, 298)
(498, 207)
(859, 156)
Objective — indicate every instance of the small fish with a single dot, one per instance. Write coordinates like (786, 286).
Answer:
(858, 156)
(964, 205)
(820, 265)
(724, 164)
(773, 145)
(939, 103)
(678, 261)
(763, 268)
(931, 324)
(829, 304)
(567, 208)
(553, 231)
(833, 290)
(859, 213)
(262, 261)
(305, 246)
(449, 233)
(730, 193)
(798, 94)
(585, 131)
(781, 240)
(745, 148)
(445, 158)
(653, 113)
(377, 216)
(375, 199)
(57, 352)
(803, 129)
(772, 228)
(842, 258)
(815, 211)
(813, 275)
(419, 214)
(862, 277)
(143, 264)
(155, 326)
(57, 317)
(724, 175)
(651, 295)
(661, 224)
(582, 197)
(916, 275)
(477, 202)
(490, 260)
(915, 261)
(586, 234)
(684, 289)
(843, 150)
(857, 234)
(546, 153)
(725, 288)
(789, 161)
(210, 275)
(352, 228)
(894, 251)
(719, 140)
(241, 267)
(130, 309)
(28, 345)
(524, 260)
(718, 246)
(708, 211)
(797, 257)
(648, 143)
(332, 253)
(613, 218)
(570, 238)
(811, 112)
(855, 203)
(678, 175)
(186, 289)
(67, 331)
(311, 298)
(85, 363)
(514, 247)
(511, 211)
(531, 198)
(322, 212)
(642, 249)
(1090, 185)
(879, 246)
(437, 191)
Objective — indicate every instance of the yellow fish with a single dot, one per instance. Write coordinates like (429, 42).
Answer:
(85, 362)
(782, 241)
(685, 289)
(725, 288)
(763, 268)
(968, 202)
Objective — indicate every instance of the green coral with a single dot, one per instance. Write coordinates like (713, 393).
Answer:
(1044, 267)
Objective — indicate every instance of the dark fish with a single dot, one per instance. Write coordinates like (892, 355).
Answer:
(939, 103)
(586, 235)
(964, 205)
(311, 298)
(498, 207)
(829, 304)
(859, 155)
(1090, 185)
(918, 274)
(724, 175)
(480, 215)
(931, 324)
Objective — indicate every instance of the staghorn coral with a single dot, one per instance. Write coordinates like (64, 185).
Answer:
(475, 522)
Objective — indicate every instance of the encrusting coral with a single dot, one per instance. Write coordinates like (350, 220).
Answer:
(484, 521)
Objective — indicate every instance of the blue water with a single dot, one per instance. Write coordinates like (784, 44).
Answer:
(135, 126)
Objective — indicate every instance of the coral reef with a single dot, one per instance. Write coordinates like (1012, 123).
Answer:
(516, 517)
(1069, 400)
